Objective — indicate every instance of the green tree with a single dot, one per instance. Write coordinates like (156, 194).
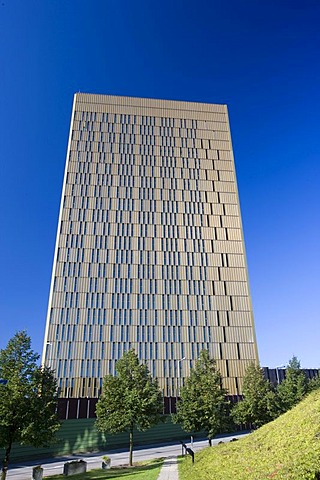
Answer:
(203, 405)
(314, 383)
(294, 387)
(28, 401)
(259, 403)
(131, 399)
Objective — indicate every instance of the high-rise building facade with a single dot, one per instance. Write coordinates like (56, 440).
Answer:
(149, 251)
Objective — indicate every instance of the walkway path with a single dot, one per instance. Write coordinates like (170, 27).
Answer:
(169, 470)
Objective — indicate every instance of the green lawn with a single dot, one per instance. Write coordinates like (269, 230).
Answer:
(143, 471)
(286, 449)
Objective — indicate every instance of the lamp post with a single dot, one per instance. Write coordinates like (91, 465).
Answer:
(178, 379)
(277, 372)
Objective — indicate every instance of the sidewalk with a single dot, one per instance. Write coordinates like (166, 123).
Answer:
(169, 470)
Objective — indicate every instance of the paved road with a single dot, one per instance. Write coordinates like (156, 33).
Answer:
(54, 466)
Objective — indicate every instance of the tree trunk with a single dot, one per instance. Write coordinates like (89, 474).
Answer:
(130, 445)
(210, 442)
(5, 463)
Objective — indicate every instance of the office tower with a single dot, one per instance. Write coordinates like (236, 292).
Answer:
(149, 251)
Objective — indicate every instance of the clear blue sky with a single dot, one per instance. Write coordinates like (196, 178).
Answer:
(261, 57)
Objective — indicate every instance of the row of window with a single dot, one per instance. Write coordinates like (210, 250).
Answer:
(88, 192)
(148, 350)
(90, 117)
(104, 209)
(145, 278)
(79, 173)
(154, 177)
(174, 272)
(147, 303)
(153, 288)
(138, 188)
(160, 256)
(153, 276)
(112, 172)
(150, 224)
(95, 162)
(89, 384)
(151, 150)
(128, 245)
(125, 284)
(147, 230)
(195, 119)
(142, 244)
(69, 387)
(196, 140)
(240, 347)
(169, 297)
(137, 134)
(92, 235)
(133, 220)
(91, 130)
(138, 334)
(102, 316)
(87, 195)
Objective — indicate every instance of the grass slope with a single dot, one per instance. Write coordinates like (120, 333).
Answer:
(287, 448)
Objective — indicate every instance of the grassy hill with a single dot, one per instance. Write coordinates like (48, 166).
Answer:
(287, 448)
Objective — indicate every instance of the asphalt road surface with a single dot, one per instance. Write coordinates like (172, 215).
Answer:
(54, 466)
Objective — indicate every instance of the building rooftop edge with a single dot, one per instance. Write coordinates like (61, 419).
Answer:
(148, 101)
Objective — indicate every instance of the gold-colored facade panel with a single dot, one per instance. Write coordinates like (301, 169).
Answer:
(149, 252)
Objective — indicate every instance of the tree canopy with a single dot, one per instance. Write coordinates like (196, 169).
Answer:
(28, 399)
(131, 399)
(203, 405)
(314, 383)
(259, 403)
(294, 387)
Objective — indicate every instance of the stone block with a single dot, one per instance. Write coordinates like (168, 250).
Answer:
(74, 467)
(37, 473)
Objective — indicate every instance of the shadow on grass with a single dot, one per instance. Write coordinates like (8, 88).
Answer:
(136, 472)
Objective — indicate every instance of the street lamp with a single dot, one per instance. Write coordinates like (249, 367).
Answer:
(178, 378)
(277, 372)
